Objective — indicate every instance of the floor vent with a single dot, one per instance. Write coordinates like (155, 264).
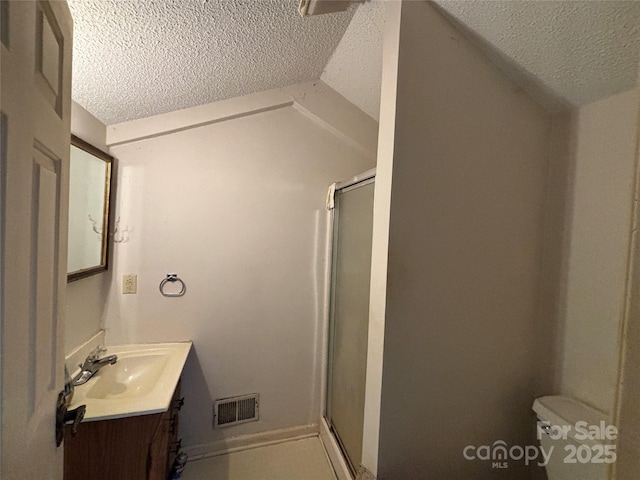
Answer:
(235, 410)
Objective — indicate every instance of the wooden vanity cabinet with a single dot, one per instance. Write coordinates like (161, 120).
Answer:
(133, 448)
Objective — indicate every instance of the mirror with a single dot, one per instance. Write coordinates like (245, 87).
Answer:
(89, 191)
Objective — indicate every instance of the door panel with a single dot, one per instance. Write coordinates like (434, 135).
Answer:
(49, 56)
(36, 111)
(44, 319)
(351, 267)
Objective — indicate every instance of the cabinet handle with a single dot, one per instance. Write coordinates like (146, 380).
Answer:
(176, 446)
(172, 427)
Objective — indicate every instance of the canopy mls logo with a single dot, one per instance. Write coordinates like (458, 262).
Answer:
(499, 454)
(598, 446)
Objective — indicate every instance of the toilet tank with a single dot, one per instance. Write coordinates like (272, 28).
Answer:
(582, 438)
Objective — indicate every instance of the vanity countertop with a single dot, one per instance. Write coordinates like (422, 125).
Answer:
(142, 381)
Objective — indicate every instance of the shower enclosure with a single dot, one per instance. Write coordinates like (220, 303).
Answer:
(349, 313)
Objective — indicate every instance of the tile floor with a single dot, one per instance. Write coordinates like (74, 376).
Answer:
(303, 459)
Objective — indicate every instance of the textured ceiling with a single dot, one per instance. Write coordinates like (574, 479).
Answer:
(575, 52)
(564, 53)
(134, 59)
(138, 58)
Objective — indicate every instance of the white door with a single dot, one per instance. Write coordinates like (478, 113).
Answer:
(35, 108)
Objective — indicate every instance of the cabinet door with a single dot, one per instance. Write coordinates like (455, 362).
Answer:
(159, 449)
(174, 443)
(111, 449)
(165, 444)
(133, 448)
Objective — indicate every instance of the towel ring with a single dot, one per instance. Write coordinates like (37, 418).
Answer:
(173, 277)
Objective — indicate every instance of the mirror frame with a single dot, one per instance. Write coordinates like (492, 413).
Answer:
(104, 260)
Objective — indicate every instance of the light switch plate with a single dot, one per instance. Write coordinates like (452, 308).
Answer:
(129, 284)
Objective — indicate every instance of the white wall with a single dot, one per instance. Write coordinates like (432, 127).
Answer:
(86, 298)
(380, 237)
(466, 245)
(237, 209)
(355, 67)
(604, 139)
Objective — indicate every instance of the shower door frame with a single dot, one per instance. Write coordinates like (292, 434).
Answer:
(360, 180)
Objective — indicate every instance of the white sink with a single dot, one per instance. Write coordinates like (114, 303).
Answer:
(142, 381)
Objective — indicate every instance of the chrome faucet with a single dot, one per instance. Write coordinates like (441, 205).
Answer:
(92, 364)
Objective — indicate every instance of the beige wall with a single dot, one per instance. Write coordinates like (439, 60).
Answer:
(235, 207)
(628, 465)
(86, 298)
(464, 260)
(604, 139)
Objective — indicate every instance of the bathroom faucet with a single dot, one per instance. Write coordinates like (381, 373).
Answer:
(92, 364)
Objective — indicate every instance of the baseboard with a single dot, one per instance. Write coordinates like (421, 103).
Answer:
(246, 442)
(364, 474)
(333, 451)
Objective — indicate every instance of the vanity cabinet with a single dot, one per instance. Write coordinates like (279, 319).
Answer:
(140, 447)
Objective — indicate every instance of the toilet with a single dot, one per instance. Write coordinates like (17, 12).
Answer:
(582, 438)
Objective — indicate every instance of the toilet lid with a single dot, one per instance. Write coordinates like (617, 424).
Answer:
(567, 412)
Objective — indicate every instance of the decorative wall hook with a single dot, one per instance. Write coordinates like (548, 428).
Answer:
(124, 233)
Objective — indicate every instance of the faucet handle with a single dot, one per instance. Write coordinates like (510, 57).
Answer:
(96, 352)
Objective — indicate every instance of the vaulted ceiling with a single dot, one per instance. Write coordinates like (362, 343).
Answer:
(571, 52)
(135, 58)
(563, 53)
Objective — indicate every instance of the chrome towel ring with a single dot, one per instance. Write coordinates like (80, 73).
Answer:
(173, 277)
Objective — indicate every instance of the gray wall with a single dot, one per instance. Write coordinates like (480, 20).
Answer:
(628, 464)
(465, 258)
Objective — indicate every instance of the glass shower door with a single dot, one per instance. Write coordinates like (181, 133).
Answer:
(349, 316)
